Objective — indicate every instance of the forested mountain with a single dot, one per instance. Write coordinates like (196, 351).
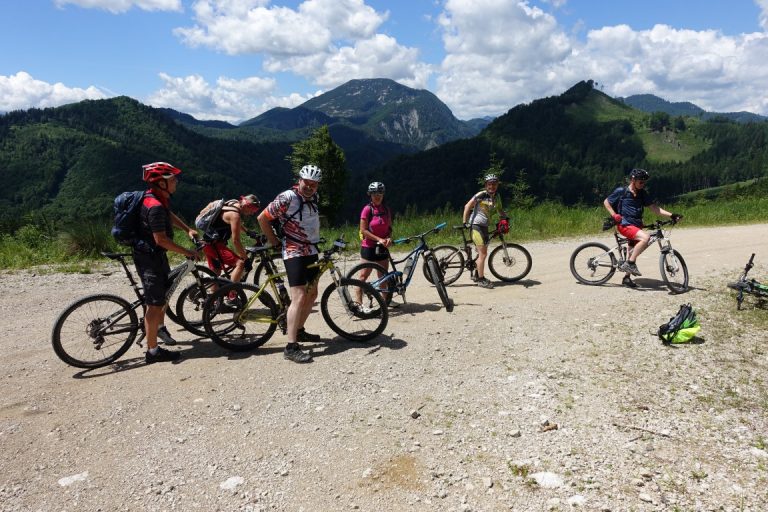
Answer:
(651, 103)
(386, 114)
(573, 148)
(68, 163)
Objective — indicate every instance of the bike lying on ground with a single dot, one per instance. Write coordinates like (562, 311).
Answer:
(594, 263)
(96, 330)
(252, 318)
(749, 286)
(508, 262)
(396, 282)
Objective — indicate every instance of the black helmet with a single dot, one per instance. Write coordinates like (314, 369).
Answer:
(639, 174)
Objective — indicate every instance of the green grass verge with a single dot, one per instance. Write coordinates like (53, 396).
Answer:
(72, 251)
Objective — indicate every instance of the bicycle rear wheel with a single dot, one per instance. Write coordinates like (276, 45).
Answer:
(450, 261)
(593, 263)
(350, 319)
(385, 287)
(188, 280)
(277, 265)
(94, 331)
(244, 323)
(509, 262)
(674, 271)
(437, 279)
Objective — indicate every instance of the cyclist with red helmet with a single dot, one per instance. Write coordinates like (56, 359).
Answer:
(156, 234)
(296, 211)
(625, 205)
(477, 215)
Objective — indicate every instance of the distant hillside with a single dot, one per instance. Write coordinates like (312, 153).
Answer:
(70, 162)
(650, 103)
(575, 148)
(190, 121)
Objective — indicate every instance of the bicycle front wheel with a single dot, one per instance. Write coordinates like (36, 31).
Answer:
(385, 287)
(509, 262)
(190, 304)
(674, 271)
(437, 279)
(94, 331)
(450, 261)
(593, 263)
(238, 317)
(353, 320)
(185, 283)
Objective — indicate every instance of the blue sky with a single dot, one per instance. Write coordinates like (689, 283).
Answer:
(234, 59)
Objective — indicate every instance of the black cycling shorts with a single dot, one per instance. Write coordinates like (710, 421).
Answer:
(298, 273)
(153, 269)
(378, 253)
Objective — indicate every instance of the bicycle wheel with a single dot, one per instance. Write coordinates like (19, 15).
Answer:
(94, 331)
(190, 304)
(385, 287)
(450, 261)
(593, 263)
(350, 319)
(509, 262)
(437, 280)
(261, 269)
(674, 271)
(244, 323)
(188, 280)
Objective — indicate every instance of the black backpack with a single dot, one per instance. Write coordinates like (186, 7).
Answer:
(125, 229)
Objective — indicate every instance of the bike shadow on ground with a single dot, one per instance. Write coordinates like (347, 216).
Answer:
(525, 283)
(647, 284)
(338, 345)
(411, 308)
(198, 348)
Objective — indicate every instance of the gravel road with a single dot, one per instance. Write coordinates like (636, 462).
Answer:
(539, 395)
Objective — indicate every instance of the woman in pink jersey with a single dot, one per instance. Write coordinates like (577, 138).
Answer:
(375, 231)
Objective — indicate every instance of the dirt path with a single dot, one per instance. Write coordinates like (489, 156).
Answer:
(639, 426)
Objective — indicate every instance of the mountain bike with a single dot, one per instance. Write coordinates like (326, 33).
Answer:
(396, 282)
(508, 262)
(594, 263)
(191, 300)
(252, 318)
(96, 330)
(749, 286)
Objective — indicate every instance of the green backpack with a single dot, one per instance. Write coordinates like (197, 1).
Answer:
(681, 327)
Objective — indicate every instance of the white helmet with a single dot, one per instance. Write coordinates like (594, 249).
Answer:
(311, 172)
(376, 187)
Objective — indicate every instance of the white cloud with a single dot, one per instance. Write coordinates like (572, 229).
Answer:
(763, 18)
(120, 6)
(326, 41)
(500, 53)
(20, 91)
(229, 100)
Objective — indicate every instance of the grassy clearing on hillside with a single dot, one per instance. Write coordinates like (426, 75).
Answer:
(73, 251)
(671, 146)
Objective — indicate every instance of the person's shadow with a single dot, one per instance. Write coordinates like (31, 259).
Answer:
(338, 345)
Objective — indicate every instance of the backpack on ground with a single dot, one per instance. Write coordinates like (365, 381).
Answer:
(125, 229)
(207, 216)
(681, 327)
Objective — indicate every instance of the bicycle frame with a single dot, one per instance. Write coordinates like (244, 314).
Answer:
(401, 279)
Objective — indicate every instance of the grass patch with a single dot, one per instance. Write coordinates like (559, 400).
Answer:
(77, 247)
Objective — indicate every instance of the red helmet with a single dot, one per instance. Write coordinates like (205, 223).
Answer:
(159, 171)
